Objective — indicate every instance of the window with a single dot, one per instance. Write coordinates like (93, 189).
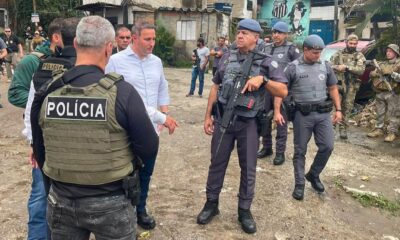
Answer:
(186, 30)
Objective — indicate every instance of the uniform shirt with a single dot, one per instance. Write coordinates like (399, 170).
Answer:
(147, 76)
(290, 72)
(216, 59)
(269, 68)
(11, 42)
(355, 62)
(131, 115)
(293, 52)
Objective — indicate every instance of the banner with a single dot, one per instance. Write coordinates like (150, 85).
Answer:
(294, 12)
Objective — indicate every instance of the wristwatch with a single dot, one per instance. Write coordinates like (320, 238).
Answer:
(265, 81)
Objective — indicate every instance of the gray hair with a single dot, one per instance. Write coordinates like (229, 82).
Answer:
(137, 28)
(94, 32)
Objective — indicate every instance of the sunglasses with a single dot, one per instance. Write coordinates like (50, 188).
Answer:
(276, 32)
(7, 31)
(122, 37)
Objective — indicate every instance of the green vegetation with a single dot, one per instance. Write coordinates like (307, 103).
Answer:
(21, 10)
(379, 201)
(338, 181)
(380, 11)
(164, 45)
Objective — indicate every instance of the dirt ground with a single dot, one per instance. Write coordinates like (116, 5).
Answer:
(178, 187)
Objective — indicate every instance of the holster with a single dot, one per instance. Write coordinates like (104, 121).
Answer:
(131, 183)
(325, 107)
(290, 108)
(264, 122)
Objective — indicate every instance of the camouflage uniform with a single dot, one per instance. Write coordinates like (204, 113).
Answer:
(355, 62)
(387, 103)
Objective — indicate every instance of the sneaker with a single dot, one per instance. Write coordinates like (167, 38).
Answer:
(390, 137)
(376, 133)
(200, 96)
(189, 95)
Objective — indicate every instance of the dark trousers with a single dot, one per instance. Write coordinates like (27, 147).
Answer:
(245, 134)
(145, 177)
(281, 131)
(303, 127)
(107, 217)
(197, 72)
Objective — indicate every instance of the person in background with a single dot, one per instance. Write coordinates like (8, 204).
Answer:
(200, 59)
(217, 52)
(15, 51)
(123, 38)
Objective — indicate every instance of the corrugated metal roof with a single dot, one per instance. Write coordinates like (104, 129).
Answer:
(205, 10)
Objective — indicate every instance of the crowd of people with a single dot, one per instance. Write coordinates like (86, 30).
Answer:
(92, 93)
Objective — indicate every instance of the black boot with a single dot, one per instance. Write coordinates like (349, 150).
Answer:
(247, 221)
(279, 159)
(298, 192)
(315, 182)
(145, 221)
(264, 152)
(208, 212)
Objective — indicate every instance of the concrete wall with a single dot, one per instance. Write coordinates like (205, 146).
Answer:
(239, 9)
(210, 25)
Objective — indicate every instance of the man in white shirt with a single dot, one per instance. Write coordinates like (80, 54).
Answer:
(200, 59)
(145, 72)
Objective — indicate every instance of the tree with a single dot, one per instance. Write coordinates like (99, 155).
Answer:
(164, 45)
(380, 11)
(21, 10)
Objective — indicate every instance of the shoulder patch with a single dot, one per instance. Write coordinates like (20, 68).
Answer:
(76, 108)
(274, 64)
(297, 50)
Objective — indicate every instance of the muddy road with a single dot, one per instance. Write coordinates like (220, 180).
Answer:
(177, 191)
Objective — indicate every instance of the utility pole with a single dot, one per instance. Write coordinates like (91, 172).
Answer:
(34, 10)
(335, 21)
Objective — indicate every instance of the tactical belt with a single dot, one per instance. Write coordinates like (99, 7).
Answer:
(307, 108)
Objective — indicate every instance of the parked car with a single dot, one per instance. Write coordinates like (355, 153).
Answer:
(367, 47)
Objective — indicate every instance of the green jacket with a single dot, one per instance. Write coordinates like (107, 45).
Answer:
(19, 88)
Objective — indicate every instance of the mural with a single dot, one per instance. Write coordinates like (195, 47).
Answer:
(293, 12)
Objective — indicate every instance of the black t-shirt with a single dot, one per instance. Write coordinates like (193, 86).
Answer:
(131, 114)
(11, 42)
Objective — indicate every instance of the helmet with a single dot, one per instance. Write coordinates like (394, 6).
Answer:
(395, 48)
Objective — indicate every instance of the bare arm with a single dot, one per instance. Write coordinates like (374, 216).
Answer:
(334, 93)
(3, 53)
(208, 121)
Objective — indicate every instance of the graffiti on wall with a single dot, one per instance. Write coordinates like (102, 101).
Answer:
(293, 12)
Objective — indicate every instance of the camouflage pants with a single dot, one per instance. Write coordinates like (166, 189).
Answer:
(348, 94)
(382, 101)
(394, 114)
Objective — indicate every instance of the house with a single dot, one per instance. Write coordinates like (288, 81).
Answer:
(188, 24)
(127, 12)
(3, 13)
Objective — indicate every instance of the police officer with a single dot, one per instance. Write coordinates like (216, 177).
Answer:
(283, 52)
(93, 126)
(309, 81)
(387, 94)
(348, 65)
(64, 57)
(244, 130)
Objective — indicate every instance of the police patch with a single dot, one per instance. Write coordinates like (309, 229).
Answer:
(321, 77)
(297, 50)
(274, 64)
(76, 108)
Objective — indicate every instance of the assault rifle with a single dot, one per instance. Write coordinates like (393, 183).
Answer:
(383, 77)
(236, 98)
